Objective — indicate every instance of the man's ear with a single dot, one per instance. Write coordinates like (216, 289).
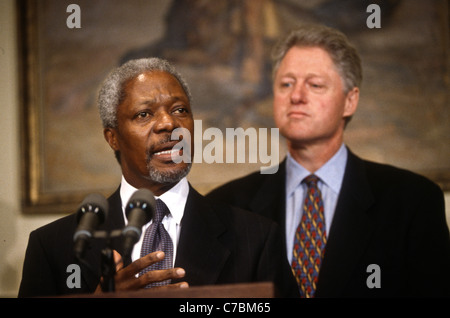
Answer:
(110, 135)
(351, 102)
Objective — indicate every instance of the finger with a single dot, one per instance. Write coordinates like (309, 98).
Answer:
(98, 290)
(117, 260)
(178, 285)
(174, 286)
(161, 275)
(143, 262)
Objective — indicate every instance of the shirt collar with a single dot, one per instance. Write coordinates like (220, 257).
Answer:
(331, 173)
(295, 173)
(175, 198)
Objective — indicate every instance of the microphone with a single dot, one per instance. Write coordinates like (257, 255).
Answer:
(139, 211)
(91, 213)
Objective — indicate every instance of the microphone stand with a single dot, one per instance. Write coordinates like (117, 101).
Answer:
(107, 265)
(108, 269)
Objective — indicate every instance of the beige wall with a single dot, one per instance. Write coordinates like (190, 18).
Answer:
(15, 226)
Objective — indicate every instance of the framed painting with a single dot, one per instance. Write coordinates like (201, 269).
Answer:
(223, 50)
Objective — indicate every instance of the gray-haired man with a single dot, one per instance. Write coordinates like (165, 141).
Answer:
(141, 104)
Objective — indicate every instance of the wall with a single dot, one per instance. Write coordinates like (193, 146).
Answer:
(15, 226)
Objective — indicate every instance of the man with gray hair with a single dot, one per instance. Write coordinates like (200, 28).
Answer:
(352, 228)
(141, 104)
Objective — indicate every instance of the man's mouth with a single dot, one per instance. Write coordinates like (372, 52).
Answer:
(297, 114)
(167, 152)
(164, 151)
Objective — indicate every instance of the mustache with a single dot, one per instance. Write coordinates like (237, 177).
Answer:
(151, 150)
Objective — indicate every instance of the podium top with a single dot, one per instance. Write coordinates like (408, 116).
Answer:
(247, 290)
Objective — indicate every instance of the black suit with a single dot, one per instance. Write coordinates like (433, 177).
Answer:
(384, 215)
(217, 245)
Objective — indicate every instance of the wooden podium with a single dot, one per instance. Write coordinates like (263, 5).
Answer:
(248, 290)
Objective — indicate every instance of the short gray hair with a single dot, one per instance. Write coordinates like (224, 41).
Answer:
(344, 55)
(112, 89)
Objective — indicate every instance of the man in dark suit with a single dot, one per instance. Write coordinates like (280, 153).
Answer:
(382, 229)
(141, 104)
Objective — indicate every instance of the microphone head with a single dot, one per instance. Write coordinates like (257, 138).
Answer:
(143, 199)
(95, 203)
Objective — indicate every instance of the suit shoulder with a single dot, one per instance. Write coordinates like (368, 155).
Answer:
(242, 182)
(57, 229)
(238, 215)
(388, 176)
(239, 190)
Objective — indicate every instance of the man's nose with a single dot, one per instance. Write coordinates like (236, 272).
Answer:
(298, 94)
(164, 122)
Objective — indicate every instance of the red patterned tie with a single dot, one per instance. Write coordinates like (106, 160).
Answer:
(310, 239)
(155, 239)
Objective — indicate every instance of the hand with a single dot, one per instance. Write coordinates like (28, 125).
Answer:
(125, 278)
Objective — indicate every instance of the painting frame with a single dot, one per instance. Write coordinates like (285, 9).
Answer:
(35, 198)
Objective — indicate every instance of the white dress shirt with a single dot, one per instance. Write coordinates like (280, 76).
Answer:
(330, 175)
(175, 200)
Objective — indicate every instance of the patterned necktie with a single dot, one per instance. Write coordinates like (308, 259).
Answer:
(156, 238)
(310, 239)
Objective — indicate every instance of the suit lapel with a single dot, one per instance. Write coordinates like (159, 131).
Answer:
(115, 219)
(350, 230)
(199, 251)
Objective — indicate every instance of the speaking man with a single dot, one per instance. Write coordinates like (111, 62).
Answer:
(199, 242)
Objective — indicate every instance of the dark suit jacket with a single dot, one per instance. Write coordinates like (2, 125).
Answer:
(217, 245)
(384, 215)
